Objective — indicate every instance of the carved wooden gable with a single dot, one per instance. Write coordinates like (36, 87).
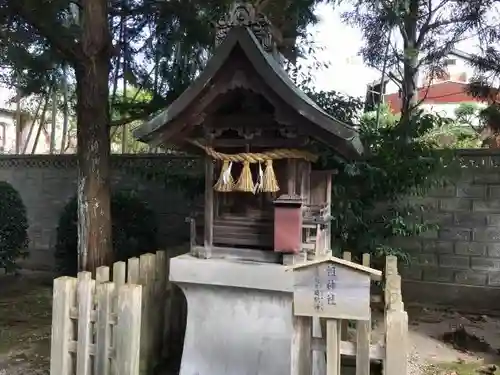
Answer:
(246, 66)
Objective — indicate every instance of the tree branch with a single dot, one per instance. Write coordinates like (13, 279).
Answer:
(426, 23)
(134, 117)
(428, 26)
(56, 34)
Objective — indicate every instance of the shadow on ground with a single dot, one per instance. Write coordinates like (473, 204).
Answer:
(447, 342)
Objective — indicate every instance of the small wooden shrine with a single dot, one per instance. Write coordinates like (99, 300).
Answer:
(255, 128)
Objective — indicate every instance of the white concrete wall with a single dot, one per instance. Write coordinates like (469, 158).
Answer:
(7, 130)
(447, 109)
(43, 145)
(8, 121)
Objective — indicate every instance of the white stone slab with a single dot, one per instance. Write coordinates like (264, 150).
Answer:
(239, 317)
(252, 275)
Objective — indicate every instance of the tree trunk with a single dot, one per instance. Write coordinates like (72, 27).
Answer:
(410, 92)
(410, 62)
(92, 72)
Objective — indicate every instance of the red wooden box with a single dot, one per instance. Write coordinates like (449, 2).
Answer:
(288, 224)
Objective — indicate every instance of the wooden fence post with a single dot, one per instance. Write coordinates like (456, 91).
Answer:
(104, 294)
(119, 274)
(133, 271)
(120, 324)
(147, 270)
(396, 323)
(128, 330)
(391, 268)
(363, 337)
(102, 274)
(62, 327)
(160, 295)
(169, 295)
(85, 286)
(333, 338)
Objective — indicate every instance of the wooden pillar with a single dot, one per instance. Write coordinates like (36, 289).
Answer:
(209, 208)
(363, 338)
(218, 197)
(301, 355)
(291, 176)
(396, 329)
(328, 236)
(333, 347)
(344, 324)
(305, 181)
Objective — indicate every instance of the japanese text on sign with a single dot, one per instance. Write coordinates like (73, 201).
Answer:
(320, 289)
(330, 284)
(318, 294)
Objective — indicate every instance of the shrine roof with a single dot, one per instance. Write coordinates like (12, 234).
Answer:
(273, 75)
(373, 273)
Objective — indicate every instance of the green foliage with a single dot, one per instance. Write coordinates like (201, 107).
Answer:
(467, 113)
(160, 47)
(484, 85)
(452, 134)
(13, 228)
(125, 109)
(134, 231)
(461, 132)
(387, 118)
(491, 116)
(344, 107)
(425, 32)
(370, 205)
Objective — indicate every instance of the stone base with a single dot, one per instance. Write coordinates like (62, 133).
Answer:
(239, 318)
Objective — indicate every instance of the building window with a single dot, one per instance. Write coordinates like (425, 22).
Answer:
(3, 136)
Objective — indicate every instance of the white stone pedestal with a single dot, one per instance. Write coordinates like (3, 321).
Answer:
(239, 318)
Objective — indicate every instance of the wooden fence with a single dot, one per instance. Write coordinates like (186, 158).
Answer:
(391, 351)
(130, 317)
(116, 324)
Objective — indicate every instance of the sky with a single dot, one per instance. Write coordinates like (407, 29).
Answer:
(340, 46)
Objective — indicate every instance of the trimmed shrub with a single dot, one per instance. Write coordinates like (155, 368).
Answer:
(134, 227)
(13, 228)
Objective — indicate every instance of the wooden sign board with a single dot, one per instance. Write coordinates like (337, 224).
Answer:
(330, 290)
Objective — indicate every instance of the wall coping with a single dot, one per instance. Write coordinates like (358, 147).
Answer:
(462, 151)
(74, 156)
(70, 160)
(478, 152)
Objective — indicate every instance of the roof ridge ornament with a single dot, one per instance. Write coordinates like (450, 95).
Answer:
(246, 15)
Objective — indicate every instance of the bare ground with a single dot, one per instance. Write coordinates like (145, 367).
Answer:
(443, 342)
(25, 319)
(446, 342)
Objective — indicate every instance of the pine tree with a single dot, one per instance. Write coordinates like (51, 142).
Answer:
(156, 47)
